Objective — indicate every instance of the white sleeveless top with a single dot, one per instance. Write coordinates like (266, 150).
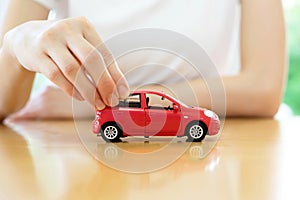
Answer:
(212, 24)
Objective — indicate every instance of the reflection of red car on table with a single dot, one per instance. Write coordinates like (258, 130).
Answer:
(149, 113)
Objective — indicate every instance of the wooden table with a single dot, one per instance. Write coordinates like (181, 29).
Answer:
(254, 159)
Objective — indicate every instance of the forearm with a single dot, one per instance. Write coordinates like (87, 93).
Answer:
(16, 83)
(252, 96)
(243, 95)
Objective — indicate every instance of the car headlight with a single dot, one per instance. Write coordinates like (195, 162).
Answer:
(211, 114)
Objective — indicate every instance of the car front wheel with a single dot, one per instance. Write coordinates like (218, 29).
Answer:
(196, 131)
(111, 132)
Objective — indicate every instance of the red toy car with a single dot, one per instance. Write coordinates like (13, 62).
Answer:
(148, 113)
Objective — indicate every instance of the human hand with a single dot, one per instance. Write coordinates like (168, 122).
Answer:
(72, 55)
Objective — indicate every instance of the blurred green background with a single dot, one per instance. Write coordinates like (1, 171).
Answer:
(292, 93)
(292, 14)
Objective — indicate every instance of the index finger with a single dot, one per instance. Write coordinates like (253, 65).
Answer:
(91, 35)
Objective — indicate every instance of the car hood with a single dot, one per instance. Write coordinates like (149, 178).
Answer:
(192, 110)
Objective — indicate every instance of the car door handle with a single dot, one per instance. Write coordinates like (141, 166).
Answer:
(119, 112)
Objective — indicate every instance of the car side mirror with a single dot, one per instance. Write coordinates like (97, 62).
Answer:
(175, 108)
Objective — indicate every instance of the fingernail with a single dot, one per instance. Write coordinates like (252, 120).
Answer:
(123, 91)
(113, 99)
(99, 105)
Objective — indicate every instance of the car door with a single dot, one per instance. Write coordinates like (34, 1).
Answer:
(161, 118)
(131, 115)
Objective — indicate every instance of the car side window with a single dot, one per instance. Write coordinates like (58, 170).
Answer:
(158, 102)
(133, 101)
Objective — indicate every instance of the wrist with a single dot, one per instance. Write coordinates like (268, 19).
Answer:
(8, 56)
(7, 46)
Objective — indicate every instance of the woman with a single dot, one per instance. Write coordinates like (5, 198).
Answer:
(59, 47)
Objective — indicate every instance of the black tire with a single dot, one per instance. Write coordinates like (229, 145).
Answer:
(111, 132)
(196, 131)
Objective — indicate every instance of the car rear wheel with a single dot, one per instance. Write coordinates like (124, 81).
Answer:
(111, 132)
(196, 131)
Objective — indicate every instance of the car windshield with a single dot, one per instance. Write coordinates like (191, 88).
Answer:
(183, 104)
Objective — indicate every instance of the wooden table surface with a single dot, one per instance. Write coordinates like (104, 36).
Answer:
(253, 159)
